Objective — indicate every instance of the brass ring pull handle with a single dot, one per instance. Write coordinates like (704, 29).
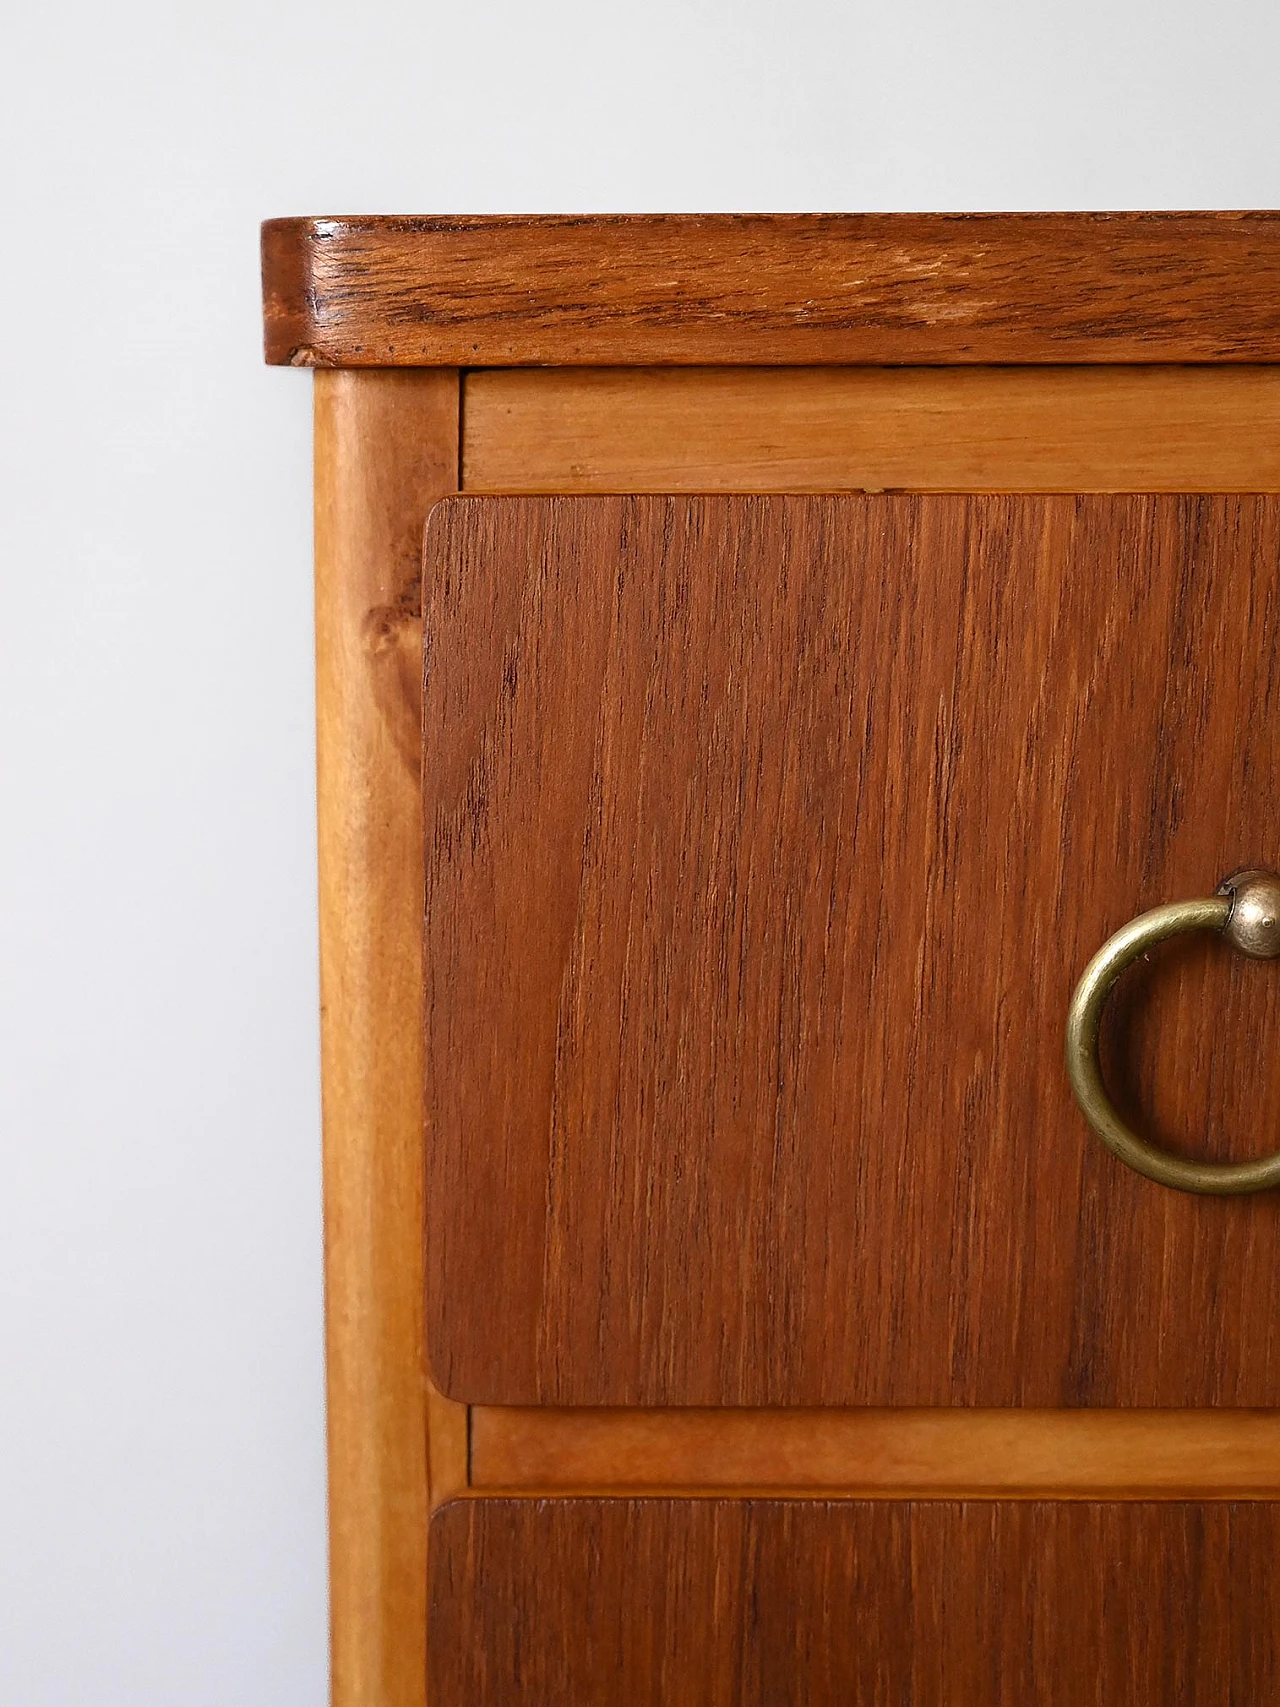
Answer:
(1246, 910)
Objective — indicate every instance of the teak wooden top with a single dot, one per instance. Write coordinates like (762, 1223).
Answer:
(697, 289)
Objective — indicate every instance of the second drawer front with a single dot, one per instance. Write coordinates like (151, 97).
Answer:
(769, 1603)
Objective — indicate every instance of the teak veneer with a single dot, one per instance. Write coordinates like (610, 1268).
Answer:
(766, 839)
(753, 354)
(762, 1603)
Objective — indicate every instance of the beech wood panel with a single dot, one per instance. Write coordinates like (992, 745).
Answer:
(766, 838)
(794, 288)
(1064, 429)
(571, 1603)
(1078, 1454)
(386, 447)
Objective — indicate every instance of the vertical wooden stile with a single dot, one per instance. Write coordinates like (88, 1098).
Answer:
(385, 450)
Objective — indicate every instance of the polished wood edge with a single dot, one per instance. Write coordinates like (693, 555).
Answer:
(880, 1454)
(935, 288)
(385, 449)
(285, 259)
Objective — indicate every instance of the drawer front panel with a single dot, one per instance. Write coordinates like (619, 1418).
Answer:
(763, 1603)
(765, 840)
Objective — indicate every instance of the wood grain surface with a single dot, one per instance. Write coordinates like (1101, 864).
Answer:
(575, 1603)
(766, 838)
(1036, 429)
(386, 446)
(963, 1453)
(792, 288)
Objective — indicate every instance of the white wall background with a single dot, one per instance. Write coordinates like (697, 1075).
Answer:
(161, 1430)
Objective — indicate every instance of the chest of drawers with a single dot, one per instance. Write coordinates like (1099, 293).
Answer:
(771, 655)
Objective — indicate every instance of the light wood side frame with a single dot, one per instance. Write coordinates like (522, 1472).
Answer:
(385, 449)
